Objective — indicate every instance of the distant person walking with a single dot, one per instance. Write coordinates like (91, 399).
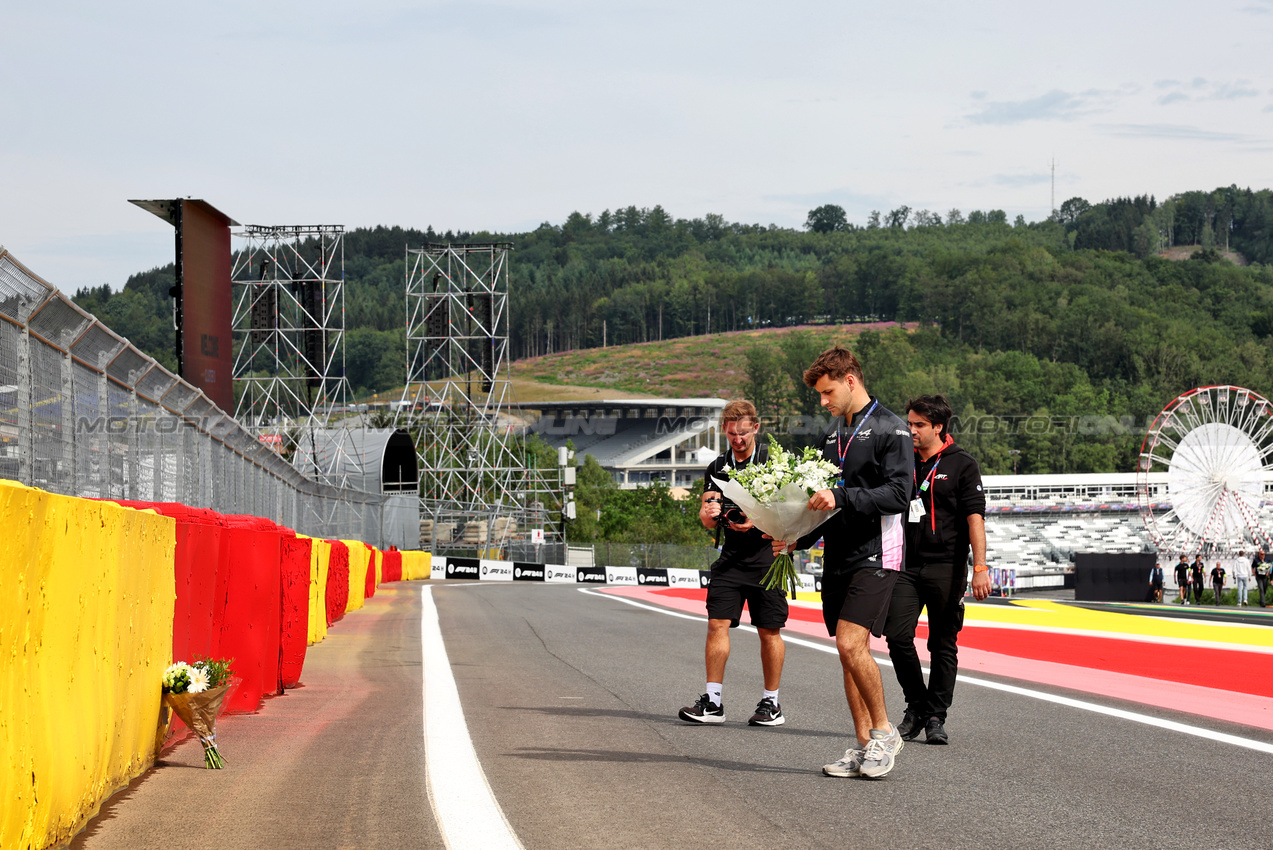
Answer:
(1182, 579)
(1155, 585)
(1217, 582)
(1240, 569)
(1260, 567)
(1197, 574)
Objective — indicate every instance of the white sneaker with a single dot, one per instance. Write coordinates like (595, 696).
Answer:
(849, 766)
(877, 758)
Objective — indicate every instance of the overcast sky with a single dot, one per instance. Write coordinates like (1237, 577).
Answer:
(502, 116)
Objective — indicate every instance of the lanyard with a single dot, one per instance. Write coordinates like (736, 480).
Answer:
(928, 482)
(928, 479)
(843, 451)
(732, 463)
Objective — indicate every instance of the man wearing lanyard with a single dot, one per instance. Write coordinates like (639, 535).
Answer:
(947, 517)
(864, 546)
(736, 575)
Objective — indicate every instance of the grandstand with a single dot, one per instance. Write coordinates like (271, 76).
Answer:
(1036, 524)
(639, 441)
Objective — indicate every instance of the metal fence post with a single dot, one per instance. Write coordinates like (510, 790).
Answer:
(26, 428)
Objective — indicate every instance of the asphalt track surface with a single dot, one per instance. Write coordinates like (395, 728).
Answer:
(570, 699)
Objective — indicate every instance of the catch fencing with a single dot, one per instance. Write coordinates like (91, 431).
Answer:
(655, 555)
(84, 413)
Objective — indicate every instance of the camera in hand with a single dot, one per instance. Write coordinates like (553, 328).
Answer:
(729, 513)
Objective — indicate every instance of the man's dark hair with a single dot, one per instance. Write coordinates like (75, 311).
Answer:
(836, 363)
(934, 408)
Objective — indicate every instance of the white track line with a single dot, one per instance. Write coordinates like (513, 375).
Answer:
(466, 810)
(1135, 717)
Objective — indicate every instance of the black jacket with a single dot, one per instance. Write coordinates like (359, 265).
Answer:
(878, 467)
(955, 493)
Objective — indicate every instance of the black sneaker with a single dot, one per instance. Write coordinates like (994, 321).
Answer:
(703, 711)
(935, 732)
(910, 726)
(768, 713)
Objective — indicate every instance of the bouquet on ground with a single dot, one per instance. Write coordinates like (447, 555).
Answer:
(775, 496)
(195, 693)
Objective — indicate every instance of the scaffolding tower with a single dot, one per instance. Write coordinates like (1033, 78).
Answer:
(477, 490)
(289, 337)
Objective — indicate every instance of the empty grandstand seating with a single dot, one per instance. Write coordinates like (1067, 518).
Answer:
(1050, 541)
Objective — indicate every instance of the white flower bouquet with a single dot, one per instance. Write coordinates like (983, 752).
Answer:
(195, 693)
(775, 496)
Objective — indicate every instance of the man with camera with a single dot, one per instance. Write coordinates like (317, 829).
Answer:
(744, 558)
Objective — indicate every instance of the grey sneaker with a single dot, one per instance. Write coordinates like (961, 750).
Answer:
(877, 758)
(850, 765)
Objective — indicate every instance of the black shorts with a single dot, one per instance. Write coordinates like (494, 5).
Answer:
(860, 595)
(726, 595)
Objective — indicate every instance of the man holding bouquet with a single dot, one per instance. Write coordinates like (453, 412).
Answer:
(736, 575)
(946, 521)
(864, 546)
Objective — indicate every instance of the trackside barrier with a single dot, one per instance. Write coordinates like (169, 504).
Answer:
(359, 561)
(86, 630)
(319, 557)
(416, 565)
(391, 569)
(337, 598)
(373, 571)
(294, 632)
(252, 627)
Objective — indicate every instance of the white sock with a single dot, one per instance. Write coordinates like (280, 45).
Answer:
(713, 692)
(773, 695)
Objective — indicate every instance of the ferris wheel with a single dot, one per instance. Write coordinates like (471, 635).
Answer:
(1202, 471)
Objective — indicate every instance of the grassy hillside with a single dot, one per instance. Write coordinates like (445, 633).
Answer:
(689, 367)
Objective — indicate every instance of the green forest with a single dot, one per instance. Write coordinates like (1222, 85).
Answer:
(1093, 316)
